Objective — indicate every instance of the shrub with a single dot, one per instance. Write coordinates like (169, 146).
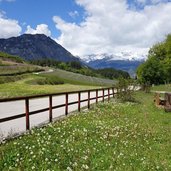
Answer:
(8, 79)
(146, 87)
(126, 88)
(50, 80)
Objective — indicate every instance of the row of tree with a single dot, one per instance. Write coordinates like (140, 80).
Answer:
(112, 73)
(77, 67)
(157, 68)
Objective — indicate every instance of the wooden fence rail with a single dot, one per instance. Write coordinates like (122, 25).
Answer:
(50, 108)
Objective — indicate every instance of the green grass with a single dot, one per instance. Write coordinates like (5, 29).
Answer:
(9, 79)
(111, 136)
(166, 87)
(27, 87)
(18, 69)
(13, 65)
(50, 80)
(58, 81)
(6, 56)
(73, 78)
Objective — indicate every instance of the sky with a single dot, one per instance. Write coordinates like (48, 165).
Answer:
(90, 26)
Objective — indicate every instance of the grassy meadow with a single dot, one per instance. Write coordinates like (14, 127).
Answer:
(166, 87)
(27, 86)
(110, 136)
(54, 82)
(13, 65)
(19, 78)
(79, 79)
(18, 70)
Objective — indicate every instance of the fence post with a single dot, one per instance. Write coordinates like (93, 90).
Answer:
(103, 95)
(108, 94)
(66, 104)
(96, 96)
(88, 99)
(79, 99)
(50, 108)
(113, 91)
(27, 114)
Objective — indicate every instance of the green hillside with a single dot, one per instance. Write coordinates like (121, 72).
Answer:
(20, 78)
(7, 57)
(74, 78)
(81, 68)
(13, 65)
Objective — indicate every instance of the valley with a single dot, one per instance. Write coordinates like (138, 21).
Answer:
(18, 70)
(20, 78)
(126, 62)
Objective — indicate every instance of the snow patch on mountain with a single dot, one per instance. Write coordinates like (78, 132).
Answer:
(117, 56)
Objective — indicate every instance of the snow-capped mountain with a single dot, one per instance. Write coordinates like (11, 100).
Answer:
(117, 56)
(125, 61)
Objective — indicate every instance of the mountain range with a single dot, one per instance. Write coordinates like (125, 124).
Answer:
(117, 56)
(124, 61)
(36, 46)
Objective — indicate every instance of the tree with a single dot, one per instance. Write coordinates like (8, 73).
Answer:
(62, 65)
(126, 89)
(168, 46)
(158, 51)
(157, 68)
(151, 72)
(75, 64)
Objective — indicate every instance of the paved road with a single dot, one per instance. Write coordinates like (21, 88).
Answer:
(17, 107)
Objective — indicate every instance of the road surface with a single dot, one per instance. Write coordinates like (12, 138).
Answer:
(18, 107)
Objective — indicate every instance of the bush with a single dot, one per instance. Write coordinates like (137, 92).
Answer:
(126, 89)
(53, 81)
(8, 79)
(50, 80)
(146, 87)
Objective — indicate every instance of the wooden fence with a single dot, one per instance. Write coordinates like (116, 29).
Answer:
(50, 108)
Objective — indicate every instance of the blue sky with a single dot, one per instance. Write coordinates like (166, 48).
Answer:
(90, 26)
(34, 12)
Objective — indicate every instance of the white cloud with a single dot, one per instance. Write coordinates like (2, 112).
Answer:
(8, 27)
(111, 26)
(73, 14)
(144, 2)
(40, 29)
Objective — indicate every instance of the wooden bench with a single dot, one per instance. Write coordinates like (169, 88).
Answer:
(167, 105)
(159, 101)
(164, 102)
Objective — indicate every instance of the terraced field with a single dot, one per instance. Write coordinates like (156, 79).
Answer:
(13, 65)
(18, 69)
